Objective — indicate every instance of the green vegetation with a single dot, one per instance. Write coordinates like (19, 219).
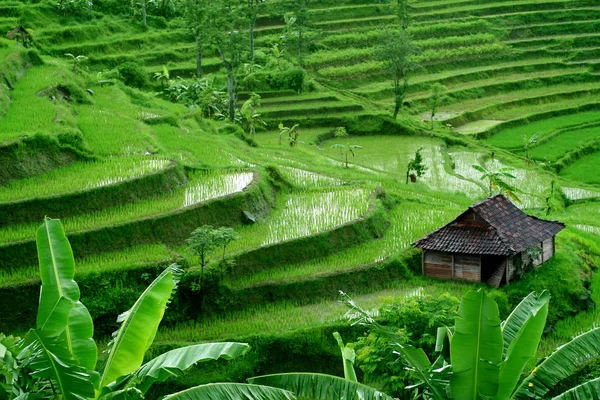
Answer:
(298, 124)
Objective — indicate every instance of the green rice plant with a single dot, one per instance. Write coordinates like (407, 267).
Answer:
(585, 214)
(303, 178)
(574, 193)
(409, 221)
(106, 262)
(585, 169)
(107, 133)
(203, 186)
(81, 176)
(304, 213)
(564, 142)
(28, 112)
(195, 147)
(512, 137)
(567, 100)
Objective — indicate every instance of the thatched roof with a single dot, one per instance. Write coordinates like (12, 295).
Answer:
(501, 229)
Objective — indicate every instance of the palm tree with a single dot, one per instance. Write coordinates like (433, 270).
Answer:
(251, 119)
(58, 357)
(76, 60)
(528, 143)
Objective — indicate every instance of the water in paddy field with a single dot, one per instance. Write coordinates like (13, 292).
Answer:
(215, 185)
(129, 172)
(578, 193)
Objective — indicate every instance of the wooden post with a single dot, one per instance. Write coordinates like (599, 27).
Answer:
(453, 275)
(423, 262)
(480, 268)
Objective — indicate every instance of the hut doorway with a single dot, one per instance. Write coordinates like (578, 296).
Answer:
(489, 264)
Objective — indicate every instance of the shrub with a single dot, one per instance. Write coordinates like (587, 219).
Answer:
(292, 79)
(132, 74)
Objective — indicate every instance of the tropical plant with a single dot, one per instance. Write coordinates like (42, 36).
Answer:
(345, 150)
(436, 98)
(484, 358)
(415, 167)
(202, 242)
(163, 77)
(496, 181)
(292, 133)
(223, 237)
(250, 117)
(196, 14)
(397, 51)
(528, 142)
(403, 11)
(76, 60)
(57, 358)
(252, 8)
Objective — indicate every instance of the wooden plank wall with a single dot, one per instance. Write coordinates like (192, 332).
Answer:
(467, 267)
(437, 264)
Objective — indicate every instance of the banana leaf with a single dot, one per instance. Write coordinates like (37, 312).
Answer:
(476, 348)
(57, 270)
(348, 357)
(138, 327)
(173, 363)
(320, 386)
(49, 358)
(528, 307)
(564, 362)
(231, 391)
(586, 391)
(524, 345)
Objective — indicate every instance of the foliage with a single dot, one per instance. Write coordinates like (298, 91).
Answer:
(416, 167)
(486, 357)
(436, 98)
(528, 142)
(415, 319)
(76, 60)
(292, 133)
(346, 149)
(57, 359)
(133, 74)
(496, 181)
(397, 51)
(250, 117)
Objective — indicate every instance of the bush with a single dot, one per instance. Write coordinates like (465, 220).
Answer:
(132, 74)
(292, 79)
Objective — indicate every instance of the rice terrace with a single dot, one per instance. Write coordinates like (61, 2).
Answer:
(300, 199)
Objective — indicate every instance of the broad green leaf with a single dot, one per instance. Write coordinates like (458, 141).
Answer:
(57, 319)
(565, 361)
(524, 346)
(138, 327)
(348, 357)
(173, 363)
(527, 308)
(231, 391)
(124, 394)
(57, 270)
(320, 386)
(586, 391)
(49, 358)
(418, 361)
(476, 348)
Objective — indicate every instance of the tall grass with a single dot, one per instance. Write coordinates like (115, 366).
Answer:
(585, 169)
(303, 178)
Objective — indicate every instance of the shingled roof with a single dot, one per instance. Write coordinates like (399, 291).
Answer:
(506, 230)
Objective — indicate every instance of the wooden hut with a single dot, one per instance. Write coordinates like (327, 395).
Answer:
(487, 243)
(20, 34)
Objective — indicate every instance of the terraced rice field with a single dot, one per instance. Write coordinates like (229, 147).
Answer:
(202, 186)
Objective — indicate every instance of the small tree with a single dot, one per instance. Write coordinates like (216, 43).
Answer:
(528, 142)
(397, 52)
(496, 181)
(292, 133)
(196, 14)
(252, 8)
(250, 118)
(76, 60)
(436, 98)
(223, 237)
(403, 12)
(341, 133)
(415, 167)
(202, 241)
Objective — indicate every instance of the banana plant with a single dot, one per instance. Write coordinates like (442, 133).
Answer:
(487, 357)
(58, 357)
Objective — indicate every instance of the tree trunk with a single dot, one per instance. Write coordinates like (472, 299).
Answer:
(432, 115)
(198, 56)
(144, 11)
(396, 110)
(300, 63)
(231, 93)
(407, 173)
(251, 33)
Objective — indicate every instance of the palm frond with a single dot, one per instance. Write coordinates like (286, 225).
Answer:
(231, 391)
